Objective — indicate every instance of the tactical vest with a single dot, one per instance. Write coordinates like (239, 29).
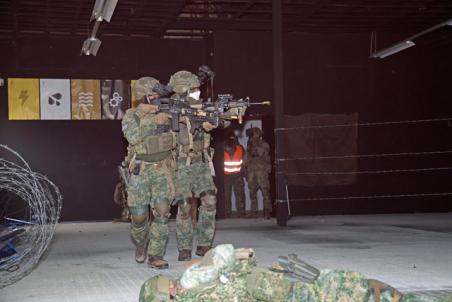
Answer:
(156, 142)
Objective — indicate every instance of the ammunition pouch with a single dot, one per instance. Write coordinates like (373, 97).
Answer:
(155, 144)
(159, 129)
(183, 135)
(198, 147)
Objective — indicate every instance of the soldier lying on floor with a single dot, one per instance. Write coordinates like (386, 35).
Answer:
(227, 274)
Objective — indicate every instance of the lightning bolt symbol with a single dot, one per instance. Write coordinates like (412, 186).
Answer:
(23, 96)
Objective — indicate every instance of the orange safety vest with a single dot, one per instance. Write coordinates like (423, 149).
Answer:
(234, 164)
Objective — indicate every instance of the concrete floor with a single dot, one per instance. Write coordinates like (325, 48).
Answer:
(94, 261)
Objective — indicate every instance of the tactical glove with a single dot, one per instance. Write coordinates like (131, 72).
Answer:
(148, 108)
(208, 126)
(162, 118)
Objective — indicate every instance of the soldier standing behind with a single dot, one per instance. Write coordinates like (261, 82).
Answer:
(258, 167)
(151, 166)
(233, 159)
(194, 175)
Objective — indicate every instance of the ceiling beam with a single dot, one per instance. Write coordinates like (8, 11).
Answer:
(212, 24)
(175, 11)
(15, 23)
(304, 12)
(247, 7)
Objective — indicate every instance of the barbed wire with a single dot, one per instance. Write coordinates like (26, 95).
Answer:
(369, 172)
(372, 196)
(366, 155)
(44, 206)
(366, 124)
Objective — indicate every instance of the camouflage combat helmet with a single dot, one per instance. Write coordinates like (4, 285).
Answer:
(156, 289)
(143, 86)
(182, 81)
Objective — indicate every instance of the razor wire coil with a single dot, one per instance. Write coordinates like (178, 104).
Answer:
(44, 202)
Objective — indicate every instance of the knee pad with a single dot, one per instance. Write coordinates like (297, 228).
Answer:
(139, 220)
(208, 201)
(183, 210)
(139, 211)
(161, 212)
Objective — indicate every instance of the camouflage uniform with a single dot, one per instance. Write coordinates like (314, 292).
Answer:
(151, 165)
(422, 297)
(193, 175)
(257, 166)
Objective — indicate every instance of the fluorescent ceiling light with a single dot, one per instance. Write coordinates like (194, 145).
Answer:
(393, 49)
(103, 10)
(407, 43)
(91, 46)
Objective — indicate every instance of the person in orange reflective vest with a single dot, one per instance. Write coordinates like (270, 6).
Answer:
(233, 160)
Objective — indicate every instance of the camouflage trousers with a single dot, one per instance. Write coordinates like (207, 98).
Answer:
(259, 180)
(151, 188)
(330, 286)
(195, 179)
(234, 181)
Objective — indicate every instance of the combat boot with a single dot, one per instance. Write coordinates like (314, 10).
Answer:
(184, 255)
(140, 254)
(202, 250)
(157, 262)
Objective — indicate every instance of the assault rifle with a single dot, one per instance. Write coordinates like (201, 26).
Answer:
(215, 113)
(226, 102)
(178, 108)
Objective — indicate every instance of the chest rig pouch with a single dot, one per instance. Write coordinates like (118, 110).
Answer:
(156, 138)
(196, 146)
